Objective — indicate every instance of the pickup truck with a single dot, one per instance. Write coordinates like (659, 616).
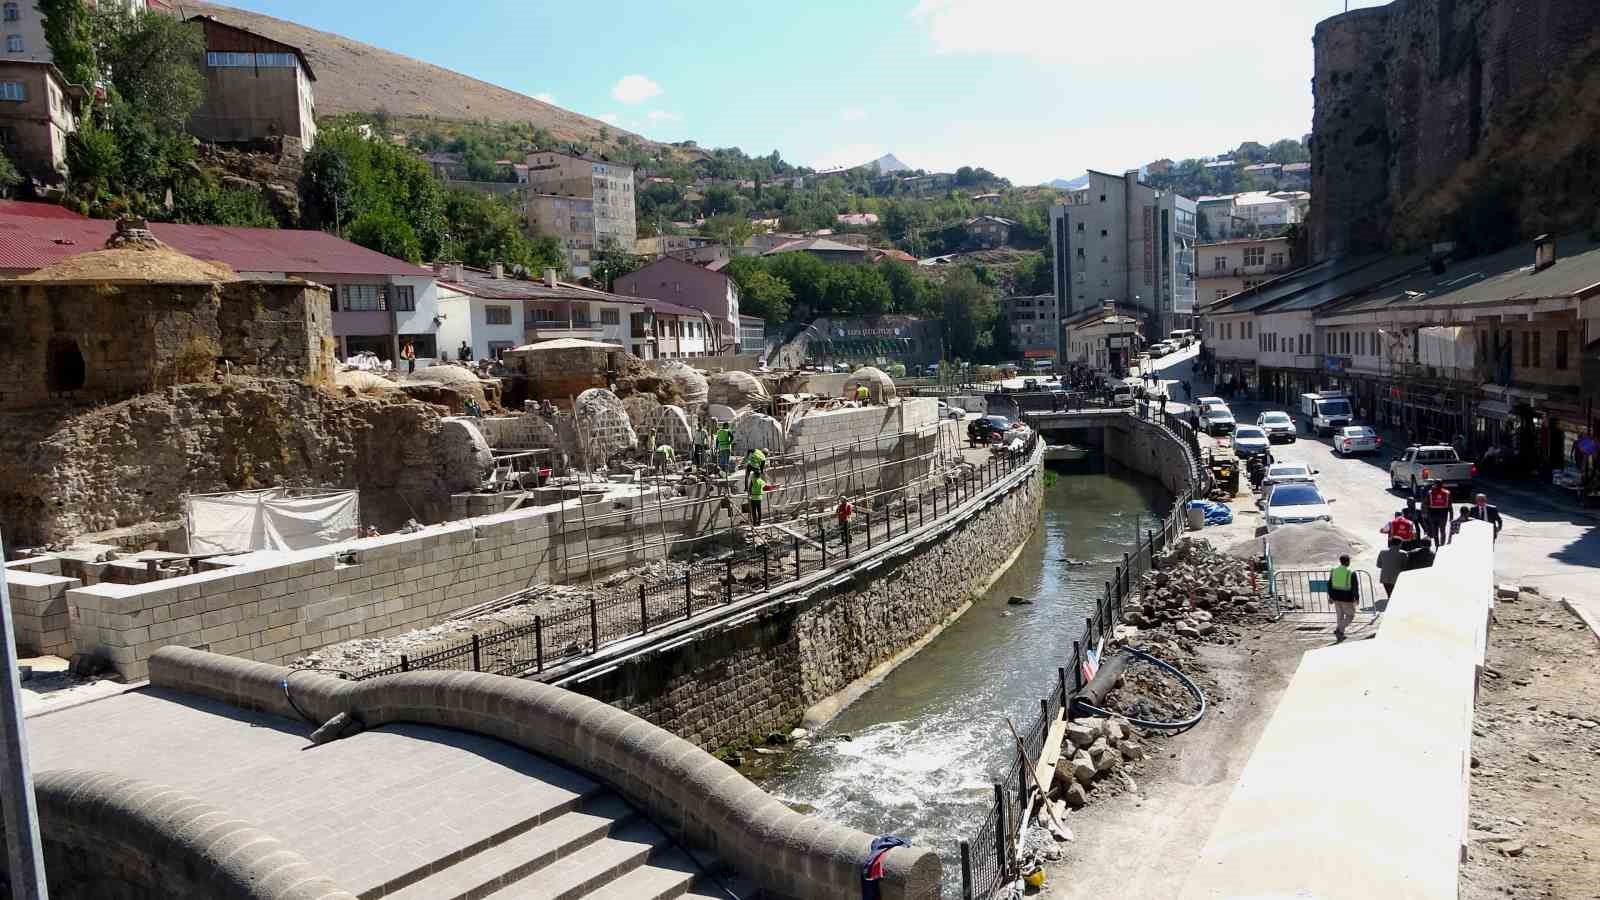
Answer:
(1417, 466)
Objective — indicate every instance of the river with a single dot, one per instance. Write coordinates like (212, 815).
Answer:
(925, 745)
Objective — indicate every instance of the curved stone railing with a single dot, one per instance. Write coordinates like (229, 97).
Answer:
(701, 798)
(107, 833)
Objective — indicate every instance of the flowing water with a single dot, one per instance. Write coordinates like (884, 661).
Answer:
(926, 745)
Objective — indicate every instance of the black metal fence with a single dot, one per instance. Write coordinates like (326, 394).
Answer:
(621, 613)
(989, 856)
(1306, 591)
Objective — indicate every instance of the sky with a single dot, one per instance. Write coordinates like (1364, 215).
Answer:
(1029, 89)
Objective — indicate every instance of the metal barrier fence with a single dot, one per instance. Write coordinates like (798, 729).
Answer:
(617, 614)
(1306, 591)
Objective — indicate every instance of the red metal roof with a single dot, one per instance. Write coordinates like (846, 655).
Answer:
(33, 210)
(28, 243)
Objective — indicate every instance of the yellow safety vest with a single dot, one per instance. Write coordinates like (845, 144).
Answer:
(862, 392)
(1341, 578)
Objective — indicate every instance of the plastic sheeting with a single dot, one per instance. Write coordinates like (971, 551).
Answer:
(1446, 347)
(1215, 513)
(277, 519)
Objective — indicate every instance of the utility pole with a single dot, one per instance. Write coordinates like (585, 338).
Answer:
(16, 782)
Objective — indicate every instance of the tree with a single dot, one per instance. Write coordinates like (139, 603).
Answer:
(762, 294)
(968, 313)
(730, 231)
(611, 261)
(485, 229)
(69, 32)
(1033, 275)
(152, 62)
(348, 177)
(9, 176)
(202, 201)
(387, 233)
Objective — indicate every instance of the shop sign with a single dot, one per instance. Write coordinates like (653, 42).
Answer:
(1336, 363)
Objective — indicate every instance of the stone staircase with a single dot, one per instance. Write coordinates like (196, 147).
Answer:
(596, 847)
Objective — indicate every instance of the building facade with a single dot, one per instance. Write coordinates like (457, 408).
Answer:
(988, 231)
(256, 88)
(23, 27)
(585, 202)
(1104, 340)
(752, 334)
(38, 111)
(1224, 268)
(1035, 329)
(492, 312)
(686, 284)
(1121, 241)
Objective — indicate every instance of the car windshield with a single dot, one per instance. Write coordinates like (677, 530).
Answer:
(1219, 414)
(1276, 418)
(1288, 471)
(1295, 495)
(1334, 407)
(1247, 432)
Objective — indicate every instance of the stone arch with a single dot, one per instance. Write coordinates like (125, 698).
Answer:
(65, 369)
(111, 837)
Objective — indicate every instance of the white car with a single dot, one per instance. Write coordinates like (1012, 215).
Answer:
(1159, 349)
(946, 411)
(1277, 425)
(1218, 420)
(1355, 439)
(1295, 503)
(1286, 471)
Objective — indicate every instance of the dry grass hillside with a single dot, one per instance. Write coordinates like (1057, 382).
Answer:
(353, 77)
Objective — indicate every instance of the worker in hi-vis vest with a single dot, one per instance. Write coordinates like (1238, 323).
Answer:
(1343, 592)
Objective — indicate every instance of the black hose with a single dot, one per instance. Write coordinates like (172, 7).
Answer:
(1194, 689)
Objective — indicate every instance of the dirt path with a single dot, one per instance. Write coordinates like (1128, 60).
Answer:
(1535, 810)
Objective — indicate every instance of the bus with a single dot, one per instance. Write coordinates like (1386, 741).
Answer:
(1183, 337)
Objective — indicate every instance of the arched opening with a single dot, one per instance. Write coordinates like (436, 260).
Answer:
(65, 370)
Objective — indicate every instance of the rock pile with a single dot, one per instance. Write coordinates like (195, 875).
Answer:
(1193, 591)
(1094, 749)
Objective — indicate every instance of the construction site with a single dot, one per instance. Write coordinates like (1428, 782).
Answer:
(250, 494)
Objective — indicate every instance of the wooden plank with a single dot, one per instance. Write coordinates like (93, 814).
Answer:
(1045, 771)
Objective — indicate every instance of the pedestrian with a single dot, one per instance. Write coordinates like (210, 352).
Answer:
(1439, 513)
(843, 513)
(1484, 511)
(1187, 393)
(758, 489)
(1344, 593)
(1391, 563)
(724, 447)
(1400, 528)
(755, 464)
(663, 457)
(464, 352)
(409, 354)
(1461, 518)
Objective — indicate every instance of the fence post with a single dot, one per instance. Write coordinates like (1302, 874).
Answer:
(1077, 665)
(1127, 575)
(1150, 541)
(688, 591)
(905, 514)
(727, 595)
(594, 625)
(644, 612)
(822, 532)
(1061, 676)
(766, 569)
(966, 871)
(477, 662)
(922, 517)
(538, 643)
(796, 559)
(1044, 712)
(869, 529)
(1002, 847)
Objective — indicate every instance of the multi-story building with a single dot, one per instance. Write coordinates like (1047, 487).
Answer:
(1224, 268)
(586, 202)
(1119, 240)
(1035, 329)
(23, 27)
(256, 88)
(490, 312)
(1219, 218)
(988, 231)
(38, 110)
(752, 334)
(1104, 339)
(686, 284)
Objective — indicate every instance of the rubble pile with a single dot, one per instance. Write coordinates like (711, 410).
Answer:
(1193, 592)
(1099, 748)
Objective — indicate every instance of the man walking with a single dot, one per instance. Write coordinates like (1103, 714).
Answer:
(1391, 563)
(409, 354)
(1343, 592)
(724, 447)
(1483, 511)
(1439, 513)
(758, 489)
(843, 513)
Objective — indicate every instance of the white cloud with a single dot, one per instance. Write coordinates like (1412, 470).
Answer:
(852, 114)
(634, 89)
(544, 98)
(657, 116)
(610, 119)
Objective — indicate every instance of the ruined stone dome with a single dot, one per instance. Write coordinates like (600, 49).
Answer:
(133, 256)
(876, 380)
(691, 384)
(735, 389)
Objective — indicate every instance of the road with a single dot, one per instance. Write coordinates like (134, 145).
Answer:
(1544, 543)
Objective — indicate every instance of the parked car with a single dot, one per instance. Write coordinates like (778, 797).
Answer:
(1295, 503)
(983, 429)
(1219, 420)
(1122, 395)
(1201, 405)
(1356, 439)
(1030, 384)
(1285, 471)
(1250, 440)
(946, 411)
(1417, 466)
(1159, 349)
(1278, 426)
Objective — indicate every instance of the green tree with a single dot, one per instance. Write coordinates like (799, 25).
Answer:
(202, 201)
(1033, 275)
(69, 31)
(968, 313)
(152, 62)
(387, 233)
(730, 231)
(9, 176)
(765, 295)
(911, 292)
(348, 178)
(486, 229)
(611, 261)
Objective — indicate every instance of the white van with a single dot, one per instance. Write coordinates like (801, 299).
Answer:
(1183, 337)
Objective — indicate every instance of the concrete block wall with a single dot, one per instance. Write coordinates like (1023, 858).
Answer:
(39, 612)
(864, 439)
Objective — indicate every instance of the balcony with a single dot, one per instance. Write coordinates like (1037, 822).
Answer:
(548, 329)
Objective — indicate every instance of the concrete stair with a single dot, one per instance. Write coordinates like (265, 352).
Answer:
(600, 849)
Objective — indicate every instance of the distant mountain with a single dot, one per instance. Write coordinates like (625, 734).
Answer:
(1070, 184)
(886, 164)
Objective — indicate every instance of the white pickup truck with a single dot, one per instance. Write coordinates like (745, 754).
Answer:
(1417, 466)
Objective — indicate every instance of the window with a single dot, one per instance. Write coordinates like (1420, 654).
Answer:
(13, 90)
(498, 347)
(610, 317)
(541, 315)
(498, 315)
(1526, 346)
(1344, 344)
(1102, 198)
(218, 60)
(1220, 264)
(1538, 359)
(1255, 256)
(1277, 259)
(361, 297)
(1104, 233)
(12, 14)
(8, 136)
(1080, 253)
(13, 43)
(403, 297)
(1483, 346)
(1561, 349)
(1080, 227)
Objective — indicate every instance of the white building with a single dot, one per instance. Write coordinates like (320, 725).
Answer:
(23, 27)
(491, 312)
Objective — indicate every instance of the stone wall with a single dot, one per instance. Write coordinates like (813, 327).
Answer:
(1151, 450)
(1407, 92)
(761, 676)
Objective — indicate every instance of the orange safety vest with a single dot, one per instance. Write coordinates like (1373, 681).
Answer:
(1402, 528)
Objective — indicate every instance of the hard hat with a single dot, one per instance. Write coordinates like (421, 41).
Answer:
(1035, 877)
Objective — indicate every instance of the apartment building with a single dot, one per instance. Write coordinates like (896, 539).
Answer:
(256, 88)
(686, 284)
(1105, 339)
(1035, 329)
(1119, 240)
(38, 111)
(586, 202)
(23, 27)
(1224, 268)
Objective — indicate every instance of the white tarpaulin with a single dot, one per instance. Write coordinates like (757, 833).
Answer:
(276, 519)
(1446, 347)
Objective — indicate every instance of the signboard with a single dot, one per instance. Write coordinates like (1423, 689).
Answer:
(1039, 354)
(1149, 243)
(1336, 363)
(1116, 342)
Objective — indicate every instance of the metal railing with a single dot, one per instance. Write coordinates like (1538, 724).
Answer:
(1306, 591)
(989, 856)
(616, 614)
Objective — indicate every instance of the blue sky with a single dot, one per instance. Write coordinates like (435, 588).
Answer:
(1031, 89)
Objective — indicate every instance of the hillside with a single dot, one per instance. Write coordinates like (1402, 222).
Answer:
(353, 77)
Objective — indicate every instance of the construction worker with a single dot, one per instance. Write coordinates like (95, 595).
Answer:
(1400, 527)
(863, 395)
(663, 458)
(1439, 513)
(843, 513)
(1343, 592)
(758, 489)
(755, 464)
(724, 447)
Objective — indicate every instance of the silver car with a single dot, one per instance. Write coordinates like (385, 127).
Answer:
(1355, 439)
(1277, 425)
